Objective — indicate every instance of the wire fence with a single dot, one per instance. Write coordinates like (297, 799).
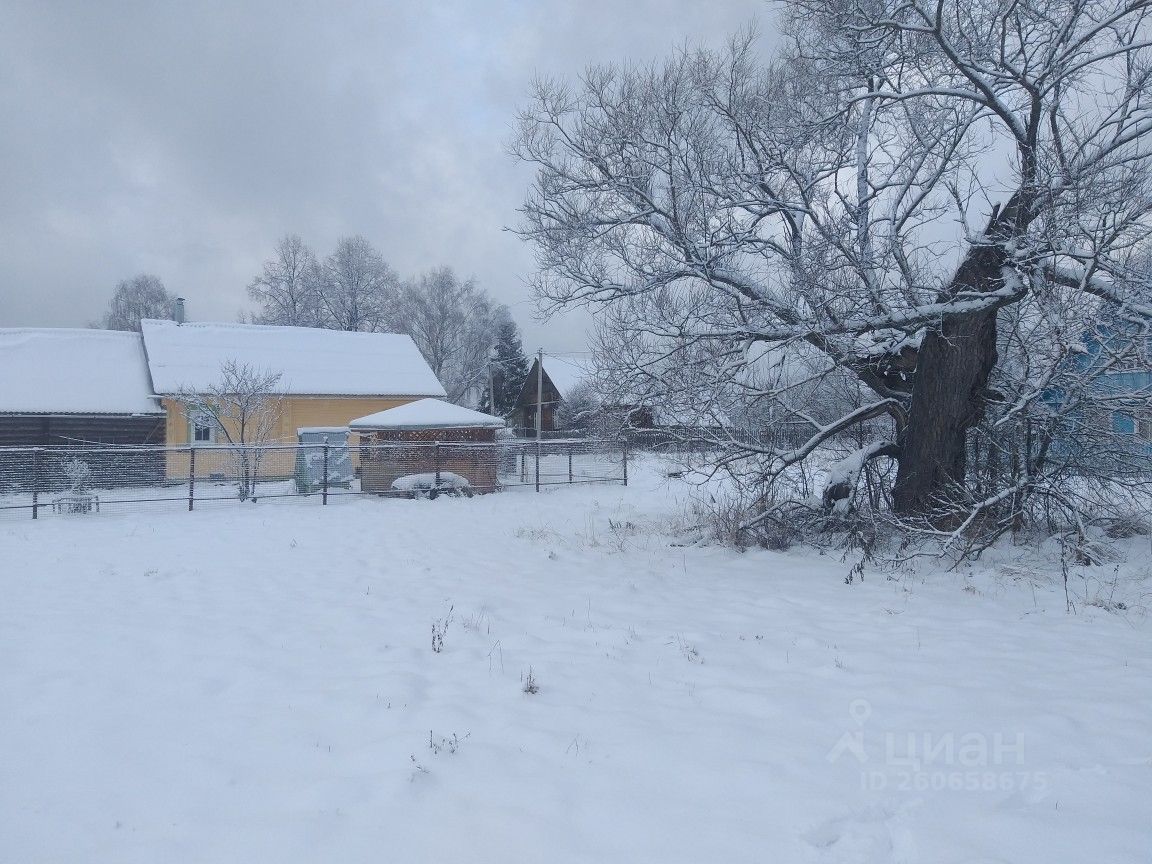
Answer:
(689, 440)
(38, 482)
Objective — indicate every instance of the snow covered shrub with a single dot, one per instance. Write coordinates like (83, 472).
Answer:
(79, 476)
(736, 518)
(622, 530)
(1125, 526)
(529, 680)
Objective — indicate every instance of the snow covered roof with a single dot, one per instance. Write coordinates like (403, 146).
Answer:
(427, 414)
(73, 371)
(311, 361)
(567, 373)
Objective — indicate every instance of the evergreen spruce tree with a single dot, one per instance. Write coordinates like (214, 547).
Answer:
(509, 370)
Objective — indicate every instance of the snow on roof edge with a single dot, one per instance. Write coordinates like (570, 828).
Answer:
(427, 414)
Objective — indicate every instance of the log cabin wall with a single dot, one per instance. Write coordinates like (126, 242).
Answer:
(64, 435)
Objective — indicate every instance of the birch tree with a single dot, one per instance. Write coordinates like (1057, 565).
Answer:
(142, 296)
(453, 322)
(944, 203)
(287, 290)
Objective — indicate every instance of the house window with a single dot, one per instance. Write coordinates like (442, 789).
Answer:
(1144, 428)
(202, 429)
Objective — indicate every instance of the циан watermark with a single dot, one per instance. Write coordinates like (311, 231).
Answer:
(913, 761)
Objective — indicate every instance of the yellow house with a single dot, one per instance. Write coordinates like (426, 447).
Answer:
(327, 377)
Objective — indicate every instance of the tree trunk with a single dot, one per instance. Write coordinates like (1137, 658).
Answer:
(952, 372)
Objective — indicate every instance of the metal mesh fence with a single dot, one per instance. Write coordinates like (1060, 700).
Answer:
(37, 482)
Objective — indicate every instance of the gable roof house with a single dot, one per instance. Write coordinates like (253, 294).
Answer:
(1116, 363)
(76, 387)
(563, 378)
(82, 387)
(328, 377)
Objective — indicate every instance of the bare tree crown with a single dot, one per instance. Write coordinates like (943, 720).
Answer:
(244, 407)
(140, 297)
(924, 207)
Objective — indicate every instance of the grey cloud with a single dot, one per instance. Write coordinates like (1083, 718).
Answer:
(185, 138)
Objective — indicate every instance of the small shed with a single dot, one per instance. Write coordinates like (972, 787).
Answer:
(428, 436)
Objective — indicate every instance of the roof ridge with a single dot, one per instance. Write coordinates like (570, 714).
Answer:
(241, 325)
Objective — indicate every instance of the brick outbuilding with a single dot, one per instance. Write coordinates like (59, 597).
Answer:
(428, 436)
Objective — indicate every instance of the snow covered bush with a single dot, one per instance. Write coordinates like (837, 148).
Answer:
(79, 476)
(732, 516)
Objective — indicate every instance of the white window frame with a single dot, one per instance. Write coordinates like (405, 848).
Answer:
(199, 420)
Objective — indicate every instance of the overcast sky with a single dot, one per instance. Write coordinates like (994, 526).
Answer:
(185, 138)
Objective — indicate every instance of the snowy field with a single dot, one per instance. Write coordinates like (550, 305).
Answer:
(259, 684)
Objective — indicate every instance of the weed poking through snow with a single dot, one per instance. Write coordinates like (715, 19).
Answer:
(690, 652)
(448, 745)
(440, 630)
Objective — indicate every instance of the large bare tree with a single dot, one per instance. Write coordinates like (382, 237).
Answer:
(941, 207)
(287, 288)
(356, 288)
(142, 296)
(453, 323)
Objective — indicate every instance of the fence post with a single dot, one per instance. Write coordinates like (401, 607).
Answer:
(35, 482)
(624, 452)
(324, 494)
(191, 477)
(570, 448)
(436, 463)
(537, 464)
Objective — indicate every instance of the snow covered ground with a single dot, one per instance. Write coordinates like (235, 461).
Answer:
(258, 683)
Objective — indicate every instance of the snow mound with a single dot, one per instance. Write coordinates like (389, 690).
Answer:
(428, 482)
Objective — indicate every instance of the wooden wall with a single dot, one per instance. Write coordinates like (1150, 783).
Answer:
(75, 430)
(63, 436)
(297, 412)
